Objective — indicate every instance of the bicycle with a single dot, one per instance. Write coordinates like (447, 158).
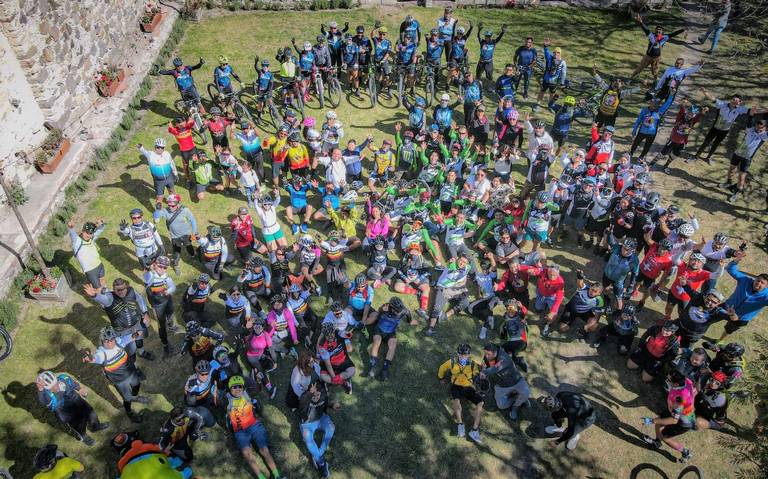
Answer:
(430, 79)
(262, 101)
(6, 343)
(372, 91)
(291, 95)
(402, 77)
(334, 87)
(190, 109)
(226, 100)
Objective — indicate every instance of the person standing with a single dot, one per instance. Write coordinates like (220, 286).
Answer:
(679, 418)
(182, 130)
(656, 41)
(86, 252)
(719, 22)
(749, 297)
(181, 225)
(572, 407)
(728, 112)
(161, 167)
(463, 370)
(144, 236)
(525, 58)
(160, 288)
(755, 135)
(487, 48)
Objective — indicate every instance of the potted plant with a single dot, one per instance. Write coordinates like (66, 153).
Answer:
(108, 80)
(51, 288)
(52, 150)
(151, 17)
(192, 10)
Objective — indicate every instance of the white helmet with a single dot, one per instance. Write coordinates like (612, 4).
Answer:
(460, 30)
(685, 229)
(48, 379)
(331, 115)
(159, 142)
(313, 134)
(307, 46)
(445, 97)
(306, 240)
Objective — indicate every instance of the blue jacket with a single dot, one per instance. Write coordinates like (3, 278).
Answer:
(648, 121)
(744, 299)
(619, 268)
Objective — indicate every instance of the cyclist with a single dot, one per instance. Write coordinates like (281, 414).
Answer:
(179, 431)
(332, 132)
(711, 403)
(298, 190)
(87, 253)
(458, 59)
(365, 52)
(182, 129)
(572, 407)
(657, 261)
(451, 286)
(214, 253)
(181, 225)
(350, 61)
(195, 299)
(184, 81)
(510, 389)
(463, 370)
(443, 115)
(564, 115)
(288, 76)
(434, 50)
(538, 218)
(693, 363)
(313, 413)
(748, 298)
(128, 315)
(324, 56)
(656, 41)
(160, 288)
(266, 209)
(700, 312)
(334, 37)
(658, 346)
(672, 79)
(587, 304)
(382, 47)
(729, 359)
(254, 156)
(622, 324)
(755, 135)
(384, 330)
(413, 281)
(237, 309)
(51, 463)
(487, 48)
(505, 83)
(550, 288)
(248, 429)
(66, 398)
(687, 117)
(473, 96)
(144, 236)
(611, 97)
(119, 370)
(647, 124)
(200, 390)
(220, 127)
(526, 58)
(621, 270)
(410, 27)
(679, 418)
(244, 235)
(446, 26)
(264, 84)
(555, 72)
(727, 113)
(221, 77)
(406, 57)
(307, 65)
(333, 349)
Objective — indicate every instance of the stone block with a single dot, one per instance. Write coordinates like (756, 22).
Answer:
(48, 54)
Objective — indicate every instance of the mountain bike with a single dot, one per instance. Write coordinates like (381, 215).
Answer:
(6, 343)
(332, 87)
(372, 90)
(402, 80)
(190, 109)
(430, 80)
(232, 100)
(262, 101)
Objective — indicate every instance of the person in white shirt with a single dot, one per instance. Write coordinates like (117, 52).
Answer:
(162, 168)
(335, 168)
(727, 113)
(249, 180)
(741, 158)
(537, 136)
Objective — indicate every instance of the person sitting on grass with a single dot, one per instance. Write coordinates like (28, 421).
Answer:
(572, 407)
(384, 324)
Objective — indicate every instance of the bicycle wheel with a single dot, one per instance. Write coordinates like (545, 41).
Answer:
(320, 90)
(200, 136)
(241, 111)
(334, 92)
(372, 88)
(691, 470)
(6, 343)
(400, 87)
(429, 90)
(180, 106)
(274, 115)
(213, 94)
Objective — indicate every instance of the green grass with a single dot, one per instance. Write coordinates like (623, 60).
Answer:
(401, 428)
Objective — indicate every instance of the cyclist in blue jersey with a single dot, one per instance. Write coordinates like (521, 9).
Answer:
(555, 72)
(458, 57)
(525, 58)
(306, 65)
(264, 83)
(184, 81)
(222, 74)
(365, 49)
(383, 326)
(406, 59)
(487, 48)
(434, 50)
(416, 115)
(381, 56)
(298, 189)
(506, 84)
(335, 40)
(410, 26)
(350, 61)
(564, 112)
(473, 96)
(446, 26)
(443, 114)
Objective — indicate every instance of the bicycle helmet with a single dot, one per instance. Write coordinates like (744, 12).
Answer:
(258, 325)
(46, 458)
(665, 244)
(396, 305)
(266, 199)
(307, 46)
(628, 309)
(717, 294)
(219, 351)
(569, 100)
(361, 280)
(177, 62)
(670, 325)
(236, 381)
(193, 328)
(136, 212)
(460, 30)
(734, 350)
(223, 60)
(306, 240)
(331, 115)
(163, 261)
(539, 124)
(320, 39)
(642, 179)
(216, 111)
(434, 31)
(488, 33)
(334, 235)
(550, 402)
(383, 30)
(542, 196)
(309, 122)
(463, 348)
(294, 288)
(445, 97)
(421, 102)
(333, 24)
(328, 330)
(214, 231)
(173, 199)
(356, 185)
(685, 229)
(360, 29)
(719, 376)
(256, 262)
(720, 238)
(277, 298)
(336, 307)
(652, 200)
(629, 243)
(697, 257)
(159, 142)
(202, 367)
(107, 334)
(48, 379)
(264, 63)
(294, 137)
(379, 243)
(409, 19)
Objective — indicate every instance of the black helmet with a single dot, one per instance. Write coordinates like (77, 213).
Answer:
(670, 326)
(652, 200)
(463, 348)
(336, 307)
(361, 280)
(46, 457)
(203, 367)
(665, 244)
(177, 62)
(360, 29)
(734, 350)
(278, 298)
(193, 327)
(258, 323)
(255, 262)
(379, 243)
(327, 330)
(629, 243)
(107, 333)
(628, 309)
(396, 305)
(320, 39)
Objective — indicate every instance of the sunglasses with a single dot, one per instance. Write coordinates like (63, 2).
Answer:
(236, 386)
(161, 267)
(120, 290)
(136, 217)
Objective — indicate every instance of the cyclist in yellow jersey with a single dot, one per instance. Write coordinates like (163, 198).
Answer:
(54, 464)
(275, 144)
(463, 371)
(383, 164)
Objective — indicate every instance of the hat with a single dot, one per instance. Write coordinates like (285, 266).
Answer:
(480, 107)
(242, 210)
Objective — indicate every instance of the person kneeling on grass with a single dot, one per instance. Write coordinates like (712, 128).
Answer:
(679, 418)
(659, 345)
(334, 348)
(463, 371)
(511, 391)
(586, 304)
(573, 407)
(248, 428)
(384, 325)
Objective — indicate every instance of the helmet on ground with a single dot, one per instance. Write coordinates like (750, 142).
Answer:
(177, 62)
(629, 243)
(163, 261)
(396, 305)
(47, 378)
(569, 100)
(697, 257)
(216, 111)
(294, 288)
(46, 458)
(665, 244)
(223, 60)
(361, 280)
(159, 142)
(542, 196)
(721, 238)
(670, 325)
(463, 348)
(685, 229)
(734, 350)
(235, 381)
(193, 327)
(445, 97)
(307, 46)
(202, 367)
(219, 351)
(107, 334)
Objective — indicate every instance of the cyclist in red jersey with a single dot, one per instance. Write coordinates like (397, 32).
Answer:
(334, 349)
(181, 129)
(657, 260)
(692, 274)
(219, 127)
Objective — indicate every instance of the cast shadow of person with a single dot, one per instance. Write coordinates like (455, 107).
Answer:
(142, 191)
(122, 258)
(20, 449)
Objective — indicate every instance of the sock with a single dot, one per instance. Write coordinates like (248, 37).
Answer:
(276, 473)
(374, 360)
(387, 362)
(423, 301)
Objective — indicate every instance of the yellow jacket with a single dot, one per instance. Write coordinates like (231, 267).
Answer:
(460, 375)
(348, 225)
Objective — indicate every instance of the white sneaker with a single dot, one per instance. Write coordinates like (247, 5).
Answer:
(460, 430)
(483, 332)
(573, 442)
(554, 429)
(475, 436)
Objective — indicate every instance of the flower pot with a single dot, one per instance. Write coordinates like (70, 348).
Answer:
(58, 294)
(150, 27)
(115, 87)
(51, 166)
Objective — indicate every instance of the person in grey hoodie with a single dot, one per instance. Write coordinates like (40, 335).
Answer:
(181, 224)
(510, 388)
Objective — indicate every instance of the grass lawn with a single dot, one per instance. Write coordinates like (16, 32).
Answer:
(401, 428)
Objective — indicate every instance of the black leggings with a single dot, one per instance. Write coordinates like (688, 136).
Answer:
(484, 67)
(164, 314)
(78, 415)
(648, 139)
(715, 137)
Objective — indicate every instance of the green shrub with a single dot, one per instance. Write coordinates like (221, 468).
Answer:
(9, 312)
(16, 192)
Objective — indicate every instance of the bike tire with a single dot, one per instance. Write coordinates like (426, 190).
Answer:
(334, 93)
(6, 343)
(213, 94)
(300, 102)
(400, 87)
(242, 112)
(697, 474)
(320, 88)
(372, 88)
(274, 115)
(201, 137)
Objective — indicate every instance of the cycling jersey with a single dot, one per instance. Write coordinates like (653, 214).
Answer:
(235, 307)
(183, 135)
(240, 412)
(473, 92)
(334, 350)
(264, 81)
(405, 52)
(648, 120)
(350, 53)
(435, 51)
(446, 27)
(309, 254)
(184, 80)
(306, 61)
(360, 298)
(383, 161)
(144, 236)
(388, 322)
(299, 305)
(160, 287)
(458, 48)
(443, 116)
(221, 76)
(212, 250)
(410, 29)
(453, 276)
(256, 281)
(505, 86)
(680, 403)
(654, 264)
(196, 295)
(117, 365)
(298, 196)
(555, 70)
(609, 102)
(283, 324)
(582, 302)
(416, 118)
(298, 157)
(381, 48)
